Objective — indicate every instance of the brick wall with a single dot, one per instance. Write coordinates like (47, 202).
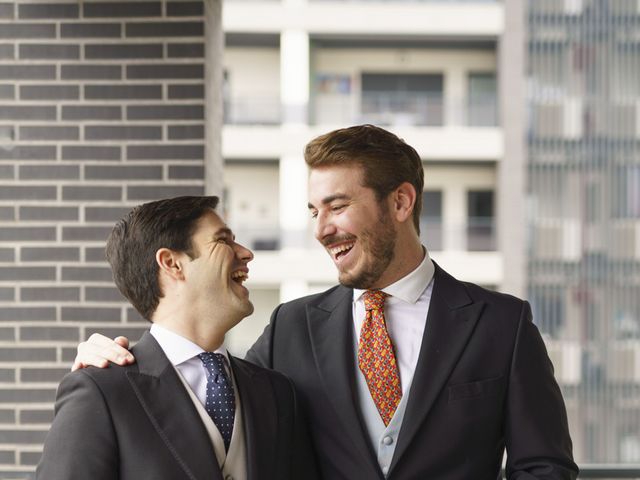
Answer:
(101, 108)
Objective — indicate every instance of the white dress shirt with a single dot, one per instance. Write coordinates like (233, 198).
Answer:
(405, 315)
(183, 355)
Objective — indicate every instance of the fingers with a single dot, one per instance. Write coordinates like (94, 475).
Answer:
(99, 350)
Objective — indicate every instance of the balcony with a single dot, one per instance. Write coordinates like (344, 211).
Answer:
(252, 111)
(401, 109)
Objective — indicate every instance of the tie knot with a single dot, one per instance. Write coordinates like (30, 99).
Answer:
(213, 362)
(374, 299)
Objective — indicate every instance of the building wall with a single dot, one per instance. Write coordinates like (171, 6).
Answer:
(101, 108)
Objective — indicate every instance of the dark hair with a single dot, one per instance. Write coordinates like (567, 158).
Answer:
(386, 160)
(135, 239)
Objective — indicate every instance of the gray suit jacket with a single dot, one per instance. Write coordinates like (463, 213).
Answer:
(483, 381)
(139, 423)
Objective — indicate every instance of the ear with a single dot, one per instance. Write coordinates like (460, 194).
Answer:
(404, 200)
(170, 263)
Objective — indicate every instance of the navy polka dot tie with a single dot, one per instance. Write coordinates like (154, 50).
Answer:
(220, 403)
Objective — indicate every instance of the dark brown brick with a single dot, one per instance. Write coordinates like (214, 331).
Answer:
(6, 51)
(8, 457)
(132, 333)
(30, 459)
(28, 417)
(123, 92)
(48, 213)
(109, 172)
(165, 112)
(25, 234)
(49, 92)
(68, 354)
(7, 375)
(23, 274)
(165, 152)
(91, 72)
(103, 294)
(7, 92)
(14, 31)
(91, 112)
(146, 192)
(90, 30)
(49, 254)
(23, 437)
(165, 70)
(43, 334)
(134, 317)
(19, 314)
(105, 214)
(90, 314)
(85, 274)
(8, 334)
(124, 50)
(27, 192)
(186, 132)
(27, 112)
(6, 255)
(49, 172)
(27, 72)
(49, 294)
(29, 152)
(187, 172)
(185, 9)
(74, 234)
(164, 29)
(185, 50)
(32, 51)
(95, 254)
(186, 91)
(91, 193)
(50, 132)
(6, 416)
(48, 10)
(6, 13)
(122, 9)
(123, 132)
(90, 152)
(7, 213)
(7, 172)
(26, 354)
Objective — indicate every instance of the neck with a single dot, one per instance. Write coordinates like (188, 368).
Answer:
(408, 254)
(204, 331)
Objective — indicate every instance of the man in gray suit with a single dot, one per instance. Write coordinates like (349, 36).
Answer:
(186, 408)
(406, 373)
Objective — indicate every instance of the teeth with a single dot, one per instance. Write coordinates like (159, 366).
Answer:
(239, 275)
(341, 248)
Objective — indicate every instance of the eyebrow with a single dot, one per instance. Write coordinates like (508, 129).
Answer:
(329, 199)
(223, 232)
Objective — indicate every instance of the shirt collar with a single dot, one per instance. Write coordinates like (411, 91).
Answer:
(177, 348)
(410, 287)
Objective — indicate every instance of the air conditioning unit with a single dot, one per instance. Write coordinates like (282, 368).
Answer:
(623, 362)
(558, 240)
(566, 356)
(559, 119)
(626, 237)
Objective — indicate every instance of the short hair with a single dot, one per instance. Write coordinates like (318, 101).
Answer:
(386, 160)
(135, 239)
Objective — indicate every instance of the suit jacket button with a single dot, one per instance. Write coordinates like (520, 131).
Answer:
(387, 440)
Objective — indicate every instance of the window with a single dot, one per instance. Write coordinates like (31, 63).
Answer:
(480, 221)
(483, 100)
(431, 219)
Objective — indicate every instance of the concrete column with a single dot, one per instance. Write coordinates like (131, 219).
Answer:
(214, 163)
(455, 91)
(294, 76)
(511, 189)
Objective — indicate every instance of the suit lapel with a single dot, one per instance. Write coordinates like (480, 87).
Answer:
(451, 319)
(259, 414)
(331, 332)
(171, 411)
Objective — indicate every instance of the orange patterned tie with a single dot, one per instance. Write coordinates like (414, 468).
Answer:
(376, 358)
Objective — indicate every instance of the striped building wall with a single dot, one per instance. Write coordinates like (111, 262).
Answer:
(101, 108)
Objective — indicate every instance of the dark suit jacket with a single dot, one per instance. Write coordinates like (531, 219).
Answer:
(138, 422)
(483, 381)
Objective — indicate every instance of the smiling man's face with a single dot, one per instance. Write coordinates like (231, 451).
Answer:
(356, 230)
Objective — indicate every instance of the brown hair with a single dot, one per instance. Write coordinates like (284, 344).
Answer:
(135, 239)
(386, 160)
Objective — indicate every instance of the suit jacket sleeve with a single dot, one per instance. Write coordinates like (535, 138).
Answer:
(261, 353)
(537, 433)
(81, 443)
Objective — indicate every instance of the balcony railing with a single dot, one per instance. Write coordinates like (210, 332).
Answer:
(401, 109)
(252, 111)
(477, 235)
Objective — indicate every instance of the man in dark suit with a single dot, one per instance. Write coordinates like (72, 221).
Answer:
(186, 408)
(405, 372)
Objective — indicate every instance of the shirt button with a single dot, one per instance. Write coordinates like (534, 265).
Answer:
(387, 440)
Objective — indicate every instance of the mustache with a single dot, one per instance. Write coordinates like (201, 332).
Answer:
(337, 239)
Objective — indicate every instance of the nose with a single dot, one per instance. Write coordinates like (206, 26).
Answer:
(243, 253)
(324, 227)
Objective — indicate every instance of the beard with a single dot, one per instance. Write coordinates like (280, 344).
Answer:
(377, 245)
